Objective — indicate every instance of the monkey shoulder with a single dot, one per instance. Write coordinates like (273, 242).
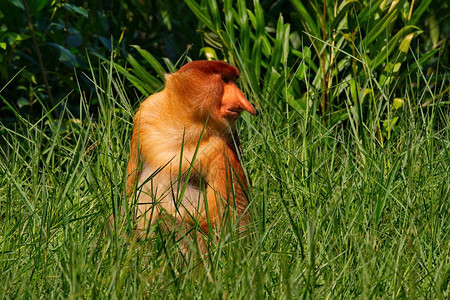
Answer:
(149, 107)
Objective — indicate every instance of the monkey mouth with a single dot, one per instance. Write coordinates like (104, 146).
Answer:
(235, 111)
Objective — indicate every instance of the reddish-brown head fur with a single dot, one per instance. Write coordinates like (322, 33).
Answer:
(208, 90)
(228, 73)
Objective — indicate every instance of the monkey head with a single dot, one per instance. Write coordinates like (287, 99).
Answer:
(208, 92)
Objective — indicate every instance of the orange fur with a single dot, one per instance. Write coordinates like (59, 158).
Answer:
(188, 128)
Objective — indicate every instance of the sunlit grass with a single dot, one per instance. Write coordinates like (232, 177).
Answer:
(336, 213)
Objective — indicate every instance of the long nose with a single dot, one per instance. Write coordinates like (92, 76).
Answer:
(244, 104)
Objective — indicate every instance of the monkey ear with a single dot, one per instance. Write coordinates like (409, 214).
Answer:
(234, 102)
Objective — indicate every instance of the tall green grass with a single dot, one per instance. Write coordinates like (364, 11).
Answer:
(347, 202)
(335, 213)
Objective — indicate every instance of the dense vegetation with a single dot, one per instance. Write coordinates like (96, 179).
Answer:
(349, 156)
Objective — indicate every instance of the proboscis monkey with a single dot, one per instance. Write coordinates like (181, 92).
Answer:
(183, 164)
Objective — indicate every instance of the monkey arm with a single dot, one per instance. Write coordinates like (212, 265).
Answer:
(226, 193)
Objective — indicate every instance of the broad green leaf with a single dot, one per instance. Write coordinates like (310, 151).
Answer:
(209, 53)
(279, 41)
(306, 57)
(228, 12)
(380, 27)
(21, 102)
(15, 37)
(434, 29)
(398, 102)
(245, 31)
(393, 67)
(301, 71)
(213, 40)
(297, 104)
(404, 11)
(423, 6)
(390, 46)
(213, 7)
(151, 60)
(74, 41)
(259, 14)
(256, 55)
(142, 74)
(76, 9)
(18, 3)
(394, 4)
(266, 47)
(343, 10)
(306, 18)
(404, 45)
(106, 42)
(286, 48)
(65, 56)
(388, 74)
(136, 82)
(367, 92)
(259, 24)
(272, 79)
(343, 5)
(252, 18)
(367, 12)
(201, 14)
(388, 124)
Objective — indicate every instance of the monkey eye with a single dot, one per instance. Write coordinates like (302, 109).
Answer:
(226, 79)
(229, 78)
